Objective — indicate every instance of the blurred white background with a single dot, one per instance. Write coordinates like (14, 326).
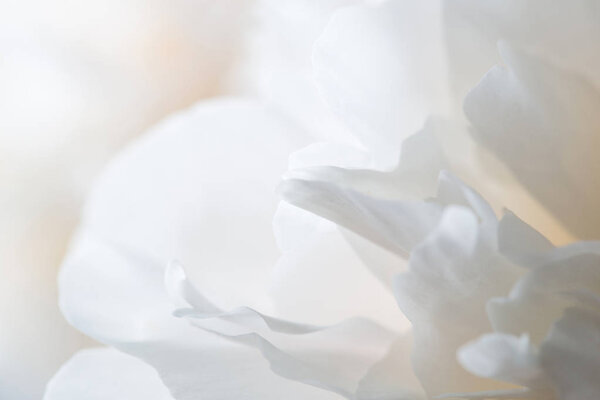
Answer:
(78, 80)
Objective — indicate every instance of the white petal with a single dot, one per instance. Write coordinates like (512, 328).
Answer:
(521, 243)
(470, 49)
(335, 358)
(571, 355)
(200, 188)
(112, 293)
(392, 377)
(384, 207)
(503, 357)
(452, 274)
(320, 278)
(541, 296)
(279, 66)
(105, 374)
(564, 32)
(144, 213)
(214, 368)
(542, 122)
(382, 69)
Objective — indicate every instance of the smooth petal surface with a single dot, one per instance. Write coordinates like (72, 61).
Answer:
(542, 122)
(571, 355)
(382, 70)
(279, 63)
(105, 374)
(196, 205)
(317, 254)
(565, 33)
(392, 377)
(548, 287)
(197, 187)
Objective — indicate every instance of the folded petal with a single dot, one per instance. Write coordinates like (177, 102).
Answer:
(105, 374)
(451, 275)
(199, 188)
(209, 201)
(550, 287)
(335, 358)
(384, 207)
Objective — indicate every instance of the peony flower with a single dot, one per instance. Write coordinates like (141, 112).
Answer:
(393, 269)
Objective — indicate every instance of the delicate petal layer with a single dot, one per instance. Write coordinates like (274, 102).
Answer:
(213, 192)
(549, 287)
(571, 355)
(543, 122)
(392, 377)
(382, 69)
(452, 274)
(566, 367)
(320, 279)
(503, 357)
(279, 66)
(385, 207)
(565, 33)
(197, 187)
(105, 374)
(335, 358)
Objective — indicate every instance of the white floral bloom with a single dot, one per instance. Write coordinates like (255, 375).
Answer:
(389, 276)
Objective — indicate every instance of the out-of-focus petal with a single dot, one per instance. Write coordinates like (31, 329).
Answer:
(320, 279)
(521, 243)
(565, 367)
(334, 358)
(503, 357)
(451, 275)
(105, 374)
(279, 65)
(392, 377)
(564, 33)
(382, 69)
(548, 287)
(542, 122)
(384, 207)
(571, 355)
(200, 188)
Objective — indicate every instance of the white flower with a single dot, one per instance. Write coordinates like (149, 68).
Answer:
(495, 309)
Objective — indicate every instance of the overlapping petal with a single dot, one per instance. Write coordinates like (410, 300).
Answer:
(173, 196)
(319, 255)
(542, 122)
(564, 33)
(382, 70)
